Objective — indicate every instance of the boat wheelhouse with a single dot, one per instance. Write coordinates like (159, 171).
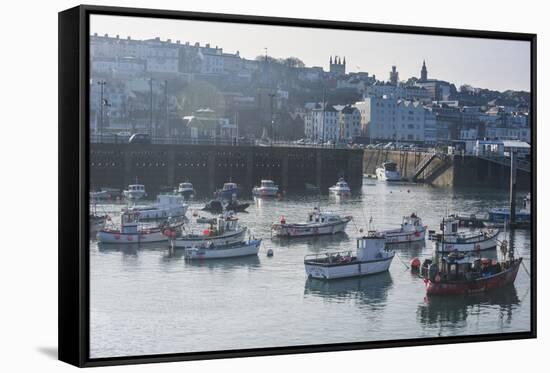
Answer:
(186, 190)
(135, 191)
(166, 206)
(456, 273)
(318, 223)
(267, 188)
(451, 239)
(388, 172)
(370, 257)
(229, 191)
(411, 230)
(212, 250)
(224, 230)
(340, 188)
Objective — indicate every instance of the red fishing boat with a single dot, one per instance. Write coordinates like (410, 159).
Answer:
(457, 273)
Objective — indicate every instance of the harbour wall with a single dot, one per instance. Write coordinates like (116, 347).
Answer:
(448, 170)
(209, 166)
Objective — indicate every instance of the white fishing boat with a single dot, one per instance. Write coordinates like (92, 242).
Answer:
(450, 239)
(411, 230)
(134, 192)
(225, 230)
(388, 172)
(267, 188)
(131, 230)
(186, 190)
(370, 257)
(166, 206)
(340, 188)
(317, 223)
(214, 251)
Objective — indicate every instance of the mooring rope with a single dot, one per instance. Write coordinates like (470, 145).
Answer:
(405, 264)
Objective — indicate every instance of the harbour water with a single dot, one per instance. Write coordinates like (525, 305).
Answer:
(147, 300)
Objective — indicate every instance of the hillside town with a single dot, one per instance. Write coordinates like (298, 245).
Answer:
(171, 89)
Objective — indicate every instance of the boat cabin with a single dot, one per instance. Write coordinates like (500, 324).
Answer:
(458, 267)
(136, 188)
(267, 184)
(411, 221)
(322, 217)
(184, 186)
(229, 186)
(389, 166)
(227, 222)
(129, 221)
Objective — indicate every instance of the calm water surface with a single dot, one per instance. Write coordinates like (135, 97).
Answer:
(146, 300)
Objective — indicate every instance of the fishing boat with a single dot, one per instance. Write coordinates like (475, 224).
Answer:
(212, 250)
(450, 239)
(523, 216)
(456, 273)
(341, 188)
(388, 172)
(166, 206)
(186, 190)
(132, 230)
(228, 191)
(134, 192)
(225, 230)
(370, 257)
(411, 230)
(316, 224)
(267, 188)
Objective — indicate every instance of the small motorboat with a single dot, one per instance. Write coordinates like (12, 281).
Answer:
(229, 191)
(236, 206)
(341, 188)
(457, 273)
(131, 230)
(212, 250)
(450, 239)
(388, 172)
(411, 230)
(186, 190)
(502, 215)
(224, 230)
(317, 223)
(134, 192)
(370, 257)
(166, 206)
(267, 188)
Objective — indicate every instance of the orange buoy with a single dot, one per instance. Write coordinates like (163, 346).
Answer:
(415, 264)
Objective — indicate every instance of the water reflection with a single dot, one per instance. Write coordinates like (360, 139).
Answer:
(367, 291)
(314, 243)
(227, 264)
(132, 249)
(445, 311)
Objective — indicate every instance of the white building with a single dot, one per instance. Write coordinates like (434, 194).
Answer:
(386, 118)
(397, 91)
(323, 125)
(349, 123)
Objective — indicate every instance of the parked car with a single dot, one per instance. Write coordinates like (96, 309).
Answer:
(140, 138)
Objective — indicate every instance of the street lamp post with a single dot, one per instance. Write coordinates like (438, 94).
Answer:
(151, 102)
(101, 104)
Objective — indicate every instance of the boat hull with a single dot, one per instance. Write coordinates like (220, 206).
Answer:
(476, 286)
(488, 243)
(291, 230)
(397, 236)
(259, 192)
(331, 272)
(133, 195)
(124, 238)
(231, 251)
(384, 175)
(189, 242)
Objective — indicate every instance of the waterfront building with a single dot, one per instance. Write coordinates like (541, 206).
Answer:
(406, 92)
(386, 118)
(349, 123)
(205, 124)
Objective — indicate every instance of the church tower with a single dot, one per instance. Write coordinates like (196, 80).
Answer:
(337, 66)
(424, 72)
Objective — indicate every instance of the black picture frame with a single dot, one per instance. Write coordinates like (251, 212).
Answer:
(74, 183)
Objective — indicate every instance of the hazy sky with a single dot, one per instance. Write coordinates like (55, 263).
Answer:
(484, 63)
